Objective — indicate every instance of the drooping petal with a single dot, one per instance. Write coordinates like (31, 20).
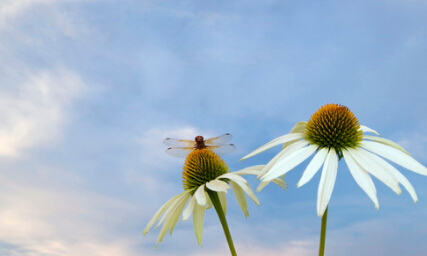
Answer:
(361, 177)
(160, 212)
(399, 176)
(363, 158)
(217, 185)
(298, 128)
(223, 200)
(280, 181)
(247, 189)
(367, 129)
(182, 197)
(232, 176)
(198, 216)
(240, 197)
(200, 195)
(283, 154)
(327, 181)
(173, 217)
(177, 213)
(208, 200)
(251, 170)
(189, 209)
(262, 185)
(395, 155)
(287, 164)
(386, 142)
(280, 140)
(313, 166)
(255, 170)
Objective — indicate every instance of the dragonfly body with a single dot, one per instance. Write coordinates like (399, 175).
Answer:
(200, 142)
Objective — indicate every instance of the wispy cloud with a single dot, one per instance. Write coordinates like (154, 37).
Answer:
(54, 221)
(85, 179)
(35, 108)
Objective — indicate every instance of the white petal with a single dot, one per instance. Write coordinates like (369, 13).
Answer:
(363, 158)
(189, 209)
(280, 182)
(386, 142)
(395, 155)
(200, 195)
(161, 211)
(198, 216)
(280, 140)
(172, 218)
(367, 129)
(208, 201)
(183, 197)
(217, 185)
(298, 128)
(361, 177)
(398, 176)
(262, 185)
(288, 163)
(283, 154)
(240, 197)
(223, 200)
(251, 170)
(327, 181)
(248, 190)
(232, 176)
(313, 166)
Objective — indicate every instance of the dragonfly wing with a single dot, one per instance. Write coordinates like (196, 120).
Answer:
(179, 143)
(222, 150)
(220, 140)
(179, 152)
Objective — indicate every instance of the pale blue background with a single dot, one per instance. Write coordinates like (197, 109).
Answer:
(89, 89)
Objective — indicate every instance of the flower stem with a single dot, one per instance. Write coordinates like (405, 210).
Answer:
(221, 215)
(323, 232)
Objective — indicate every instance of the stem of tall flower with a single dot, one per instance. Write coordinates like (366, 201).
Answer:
(221, 215)
(323, 232)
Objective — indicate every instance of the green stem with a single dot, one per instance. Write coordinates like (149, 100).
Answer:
(217, 204)
(323, 232)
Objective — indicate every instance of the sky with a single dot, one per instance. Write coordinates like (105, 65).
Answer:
(89, 90)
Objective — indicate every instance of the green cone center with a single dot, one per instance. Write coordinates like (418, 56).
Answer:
(202, 166)
(334, 126)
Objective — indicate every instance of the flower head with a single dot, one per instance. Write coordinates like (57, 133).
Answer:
(204, 173)
(332, 133)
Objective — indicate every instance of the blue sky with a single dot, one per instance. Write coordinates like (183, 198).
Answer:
(89, 89)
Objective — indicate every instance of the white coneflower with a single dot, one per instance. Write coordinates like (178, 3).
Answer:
(332, 133)
(206, 179)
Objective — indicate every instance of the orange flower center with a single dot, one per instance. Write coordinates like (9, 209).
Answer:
(202, 166)
(334, 126)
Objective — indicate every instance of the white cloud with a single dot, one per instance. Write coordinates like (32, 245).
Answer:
(62, 221)
(11, 8)
(40, 17)
(33, 109)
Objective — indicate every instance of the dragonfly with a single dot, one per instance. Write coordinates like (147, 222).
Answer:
(181, 148)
